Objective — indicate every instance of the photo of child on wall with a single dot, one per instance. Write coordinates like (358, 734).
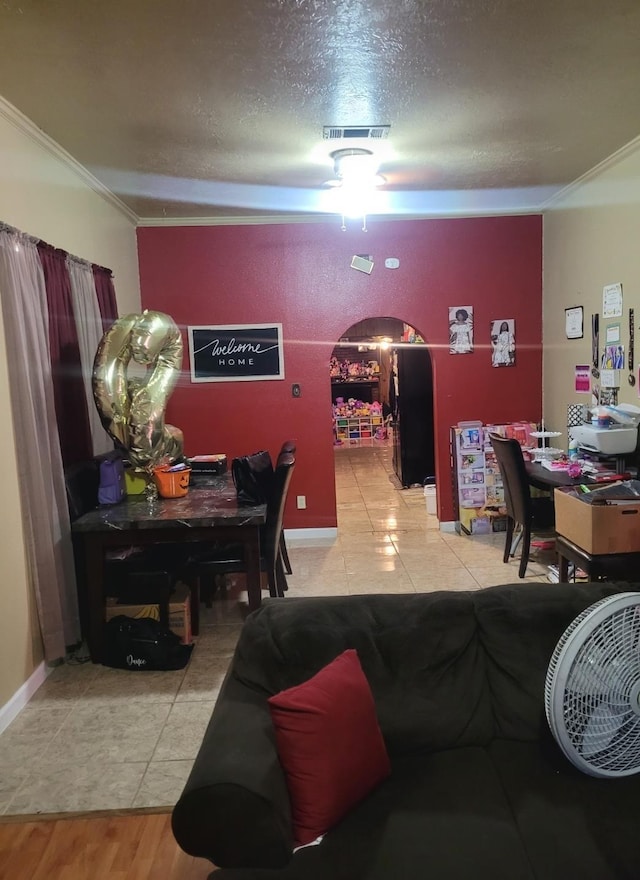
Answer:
(460, 329)
(503, 343)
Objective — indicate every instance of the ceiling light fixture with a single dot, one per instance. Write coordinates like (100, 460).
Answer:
(357, 177)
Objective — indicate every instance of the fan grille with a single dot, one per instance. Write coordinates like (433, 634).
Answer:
(592, 689)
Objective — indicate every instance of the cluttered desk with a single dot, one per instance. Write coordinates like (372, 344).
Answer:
(603, 450)
(597, 511)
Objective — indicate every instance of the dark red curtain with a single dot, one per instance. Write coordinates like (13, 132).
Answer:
(68, 389)
(106, 294)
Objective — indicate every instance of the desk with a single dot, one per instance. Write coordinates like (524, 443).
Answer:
(204, 514)
(621, 566)
(542, 478)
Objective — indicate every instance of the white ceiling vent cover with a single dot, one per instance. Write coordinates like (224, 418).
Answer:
(359, 132)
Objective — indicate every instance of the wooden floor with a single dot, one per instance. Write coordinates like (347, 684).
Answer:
(134, 846)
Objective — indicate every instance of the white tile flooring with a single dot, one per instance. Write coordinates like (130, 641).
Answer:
(94, 738)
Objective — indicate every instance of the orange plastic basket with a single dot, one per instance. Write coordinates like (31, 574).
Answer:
(172, 484)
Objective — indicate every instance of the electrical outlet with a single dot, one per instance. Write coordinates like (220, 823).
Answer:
(302, 502)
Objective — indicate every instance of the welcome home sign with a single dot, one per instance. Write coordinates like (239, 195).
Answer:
(236, 352)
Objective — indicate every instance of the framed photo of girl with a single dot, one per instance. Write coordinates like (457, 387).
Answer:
(460, 329)
(503, 342)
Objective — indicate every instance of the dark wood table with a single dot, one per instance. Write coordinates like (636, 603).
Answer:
(619, 566)
(207, 513)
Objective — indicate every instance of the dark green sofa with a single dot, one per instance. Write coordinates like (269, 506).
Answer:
(479, 789)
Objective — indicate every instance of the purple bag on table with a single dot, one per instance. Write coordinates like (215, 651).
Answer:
(111, 488)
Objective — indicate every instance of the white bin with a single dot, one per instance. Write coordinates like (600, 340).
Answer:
(430, 499)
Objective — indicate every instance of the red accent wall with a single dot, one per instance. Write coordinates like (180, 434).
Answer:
(299, 275)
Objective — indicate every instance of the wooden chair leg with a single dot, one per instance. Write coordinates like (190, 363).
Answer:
(208, 589)
(526, 542)
(508, 540)
(281, 577)
(273, 583)
(285, 554)
(194, 605)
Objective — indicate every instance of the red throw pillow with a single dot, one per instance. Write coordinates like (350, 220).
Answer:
(330, 745)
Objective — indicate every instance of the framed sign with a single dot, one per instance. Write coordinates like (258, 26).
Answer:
(236, 352)
(573, 320)
(612, 300)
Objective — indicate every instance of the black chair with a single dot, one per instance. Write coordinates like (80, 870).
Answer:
(290, 447)
(530, 514)
(225, 560)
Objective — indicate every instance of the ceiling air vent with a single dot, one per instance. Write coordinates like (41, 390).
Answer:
(359, 132)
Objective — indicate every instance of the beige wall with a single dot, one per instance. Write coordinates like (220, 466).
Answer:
(590, 240)
(45, 195)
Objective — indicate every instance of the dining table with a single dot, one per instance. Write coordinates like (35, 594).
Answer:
(210, 511)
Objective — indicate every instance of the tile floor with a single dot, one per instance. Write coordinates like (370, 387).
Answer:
(94, 738)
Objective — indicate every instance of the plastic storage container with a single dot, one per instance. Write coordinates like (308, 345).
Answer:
(430, 499)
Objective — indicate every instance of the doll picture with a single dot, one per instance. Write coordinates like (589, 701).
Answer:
(503, 343)
(460, 329)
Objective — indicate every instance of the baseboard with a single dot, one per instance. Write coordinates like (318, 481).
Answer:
(295, 536)
(119, 812)
(22, 696)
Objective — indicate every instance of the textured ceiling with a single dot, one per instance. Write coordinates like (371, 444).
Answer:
(215, 108)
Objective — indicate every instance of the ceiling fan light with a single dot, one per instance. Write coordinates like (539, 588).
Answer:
(355, 201)
(355, 182)
(354, 164)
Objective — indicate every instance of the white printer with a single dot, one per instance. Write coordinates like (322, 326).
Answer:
(619, 438)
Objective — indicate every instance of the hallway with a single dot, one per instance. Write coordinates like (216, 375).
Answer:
(388, 543)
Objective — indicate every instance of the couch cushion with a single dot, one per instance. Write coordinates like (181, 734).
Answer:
(420, 654)
(426, 815)
(519, 626)
(330, 745)
(571, 824)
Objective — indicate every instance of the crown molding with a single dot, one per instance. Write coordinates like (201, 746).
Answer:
(590, 175)
(14, 117)
(248, 220)
(326, 218)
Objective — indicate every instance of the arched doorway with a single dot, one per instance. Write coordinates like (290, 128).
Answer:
(382, 391)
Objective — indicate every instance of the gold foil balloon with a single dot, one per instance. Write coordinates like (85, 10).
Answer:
(132, 408)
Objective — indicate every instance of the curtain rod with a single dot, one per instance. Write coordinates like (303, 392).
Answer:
(5, 227)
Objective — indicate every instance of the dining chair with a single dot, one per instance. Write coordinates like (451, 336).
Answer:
(229, 559)
(523, 511)
(287, 446)
(262, 468)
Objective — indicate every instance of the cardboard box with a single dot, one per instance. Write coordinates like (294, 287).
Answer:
(179, 612)
(597, 528)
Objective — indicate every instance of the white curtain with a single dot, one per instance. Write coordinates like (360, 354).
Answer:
(89, 327)
(45, 513)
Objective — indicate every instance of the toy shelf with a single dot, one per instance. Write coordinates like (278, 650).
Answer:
(357, 427)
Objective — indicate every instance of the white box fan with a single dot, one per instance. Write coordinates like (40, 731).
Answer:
(592, 688)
